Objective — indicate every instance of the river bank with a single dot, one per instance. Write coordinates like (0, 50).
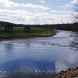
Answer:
(34, 32)
(69, 73)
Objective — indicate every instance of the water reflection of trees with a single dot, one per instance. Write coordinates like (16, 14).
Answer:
(8, 47)
(22, 68)
(74, 42)
(28, 43)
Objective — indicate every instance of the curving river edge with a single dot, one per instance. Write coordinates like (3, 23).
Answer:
(39, 55)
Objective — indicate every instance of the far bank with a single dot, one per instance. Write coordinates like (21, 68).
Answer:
(19, 32)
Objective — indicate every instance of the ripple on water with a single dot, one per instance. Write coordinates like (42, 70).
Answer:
(57, 49)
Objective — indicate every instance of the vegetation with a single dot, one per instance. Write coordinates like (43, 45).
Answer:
(35, 32)
(11, 30)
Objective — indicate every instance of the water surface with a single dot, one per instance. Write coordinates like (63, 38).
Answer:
(50, 54)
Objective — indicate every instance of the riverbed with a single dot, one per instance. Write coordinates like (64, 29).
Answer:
(40, 54)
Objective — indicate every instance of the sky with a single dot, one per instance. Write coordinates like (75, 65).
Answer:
(39, 11)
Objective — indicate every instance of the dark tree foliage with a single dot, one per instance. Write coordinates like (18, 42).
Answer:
(9, 27)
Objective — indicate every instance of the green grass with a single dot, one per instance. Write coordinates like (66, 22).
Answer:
(34, 32)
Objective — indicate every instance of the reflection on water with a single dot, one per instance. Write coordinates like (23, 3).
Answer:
(74, 43)
(50, 54)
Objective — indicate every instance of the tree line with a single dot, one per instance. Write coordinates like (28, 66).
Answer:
(9, 27)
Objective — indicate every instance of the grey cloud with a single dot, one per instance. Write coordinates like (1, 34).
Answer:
(32, 13)
(31, 1)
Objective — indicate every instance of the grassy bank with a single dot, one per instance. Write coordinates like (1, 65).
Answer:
(34, 32)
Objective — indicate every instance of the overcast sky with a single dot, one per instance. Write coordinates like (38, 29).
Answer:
(38, 11)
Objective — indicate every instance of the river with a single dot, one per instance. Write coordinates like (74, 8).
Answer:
(50, 54)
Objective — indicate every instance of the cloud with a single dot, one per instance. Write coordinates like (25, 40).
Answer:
(74, 1)
(73, 6)
(31, 12)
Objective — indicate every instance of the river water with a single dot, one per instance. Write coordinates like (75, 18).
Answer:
(50, 54)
